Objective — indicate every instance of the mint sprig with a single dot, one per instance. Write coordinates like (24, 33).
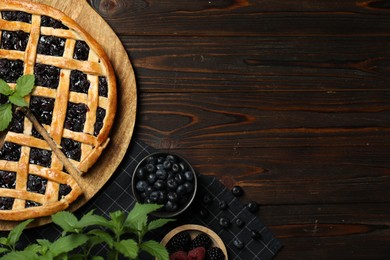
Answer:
(24, 86)
(122, 233)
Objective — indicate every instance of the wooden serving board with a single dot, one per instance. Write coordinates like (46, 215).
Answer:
(122, 130)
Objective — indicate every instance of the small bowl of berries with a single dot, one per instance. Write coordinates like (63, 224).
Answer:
(166, 179)
(194, 242)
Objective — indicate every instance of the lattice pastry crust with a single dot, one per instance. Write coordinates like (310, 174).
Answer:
(74, 99)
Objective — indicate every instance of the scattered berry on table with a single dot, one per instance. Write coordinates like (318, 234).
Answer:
(201, 240)
(204, 213)
(224, 222)
(239, 222)
(255, 234)
(214, 253)
(252, 206)
(222, 205)
(238, 243)
(237, 191)
(196, 253)
(207, 199)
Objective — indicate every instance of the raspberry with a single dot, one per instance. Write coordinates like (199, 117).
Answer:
(201, 240)
(215, 253)
(197, 253)
(179, 255)
(179, 242)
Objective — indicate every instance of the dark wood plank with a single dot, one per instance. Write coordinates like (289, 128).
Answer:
(242, 64)
(269, 119)
(246, 18)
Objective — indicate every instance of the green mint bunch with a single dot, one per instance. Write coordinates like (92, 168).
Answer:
(122, 233)
(24, 86)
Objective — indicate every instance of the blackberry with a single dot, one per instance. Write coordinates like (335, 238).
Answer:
(214, 253)
(81, 51)
(179, 242)
(201, 240)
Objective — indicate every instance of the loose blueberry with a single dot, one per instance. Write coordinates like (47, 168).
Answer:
(150, 167)
(253, 206)
(189, 187)
(180, 178)
(224, 222)
(207, 199)
(154, 196)
(172, 184)
(255, 234)
(238, 243)
(151, 159)
(181, 190)
(141, 173)
(171, 158)
(167, 165)
(161, 174)
(152, 178)
(237, 191)
(175, 168)
(171, 206)
(160, 185)
(222, 205)
(204, 213)
(239, 222)
(189, 176)
(172, 196)
(141, 186)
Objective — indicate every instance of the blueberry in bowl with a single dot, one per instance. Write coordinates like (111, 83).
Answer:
(167, 179)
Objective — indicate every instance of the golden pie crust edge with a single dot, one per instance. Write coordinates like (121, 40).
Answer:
(103, 136)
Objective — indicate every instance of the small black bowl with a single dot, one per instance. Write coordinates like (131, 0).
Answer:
(165, 178)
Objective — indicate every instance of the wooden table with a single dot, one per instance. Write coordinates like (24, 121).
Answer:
(289, 99)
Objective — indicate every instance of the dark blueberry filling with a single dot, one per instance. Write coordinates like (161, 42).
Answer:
(81, 51)
(7, 179)
(103, 87)
(36, 184)
(71, 148)
(46, 76)
(16, 16)
(10, 152)
(51, 45)
(6, 203)
(64, 190)
(40, 157)
(50, 22)
(11, 70)
(31, 204)
(42, 108)
(17, 122)
(75, 116)
(79, 82)
(36, 134)
(14, 40)
(100, 115)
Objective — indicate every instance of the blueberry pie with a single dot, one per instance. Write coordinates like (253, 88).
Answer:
(74, 100)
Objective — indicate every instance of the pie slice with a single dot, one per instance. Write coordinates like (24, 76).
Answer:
(74, 100)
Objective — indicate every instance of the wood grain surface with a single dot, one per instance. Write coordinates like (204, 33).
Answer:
(122, 130)
(289, 99)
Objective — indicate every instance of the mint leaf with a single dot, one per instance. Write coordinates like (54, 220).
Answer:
(66, 220)
(17, 100)
(97, 258)
(116, 222)
(67, 244)
(20, 255)
(155, 249)
(15, 233)
(90, 220)
(24, 85)
(158, 223)
(4, 241)
(103, 236)
(5, 116)
(128, 248)
(138, 216)
(3, 250)
(5, 89)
